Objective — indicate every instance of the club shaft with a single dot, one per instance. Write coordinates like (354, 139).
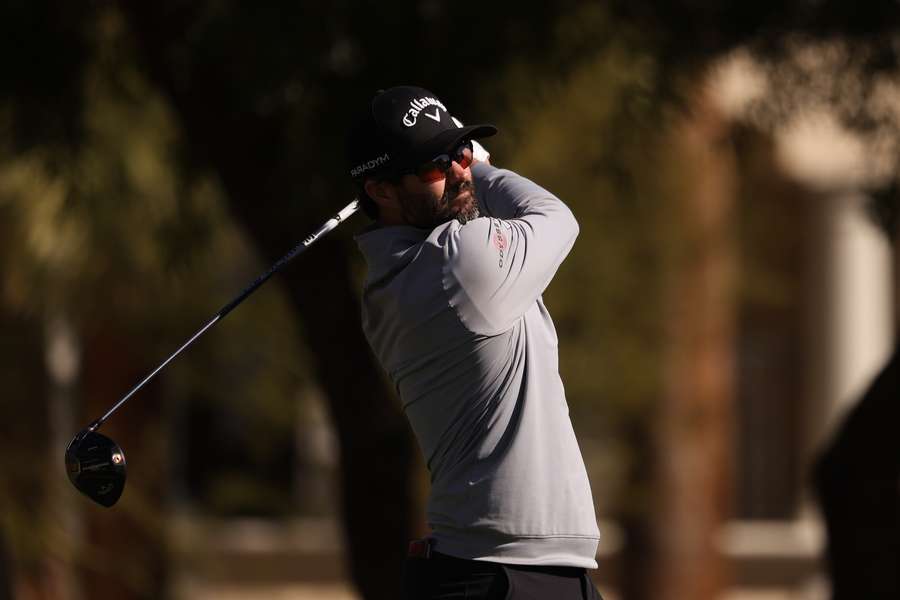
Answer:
(328, 226)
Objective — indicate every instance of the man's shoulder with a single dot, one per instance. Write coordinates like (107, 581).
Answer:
(476, 257)
(478, 243)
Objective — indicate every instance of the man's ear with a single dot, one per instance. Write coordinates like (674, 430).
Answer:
(381, 192)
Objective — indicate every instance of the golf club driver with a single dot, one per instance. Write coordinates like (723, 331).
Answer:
(95, 463)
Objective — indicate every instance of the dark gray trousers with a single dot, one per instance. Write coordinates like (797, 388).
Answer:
(442, 577)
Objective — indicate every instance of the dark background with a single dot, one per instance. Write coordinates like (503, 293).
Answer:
(156, 156)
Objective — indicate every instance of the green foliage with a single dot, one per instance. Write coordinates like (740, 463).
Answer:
(112, 232)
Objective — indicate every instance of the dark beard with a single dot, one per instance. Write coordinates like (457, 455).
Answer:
(421, 210)
(470, 212)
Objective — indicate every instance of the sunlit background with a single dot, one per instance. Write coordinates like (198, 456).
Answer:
(723, 317)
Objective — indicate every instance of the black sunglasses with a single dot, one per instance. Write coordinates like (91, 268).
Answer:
(436, 168)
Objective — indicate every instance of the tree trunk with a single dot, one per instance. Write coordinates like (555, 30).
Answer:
(635, 518)
(62, 360)
(693, 429)
(5, 574)
(124, 554)
(25, 569)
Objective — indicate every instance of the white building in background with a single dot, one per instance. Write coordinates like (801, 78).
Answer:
(850, 313)
(852, 303)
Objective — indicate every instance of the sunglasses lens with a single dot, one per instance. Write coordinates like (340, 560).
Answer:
(464, 155)
(431, 172)
(436, 169)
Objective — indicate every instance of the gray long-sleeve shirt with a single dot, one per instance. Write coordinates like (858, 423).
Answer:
(456, 318)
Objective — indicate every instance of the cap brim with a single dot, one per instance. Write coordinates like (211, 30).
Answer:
(447, 140)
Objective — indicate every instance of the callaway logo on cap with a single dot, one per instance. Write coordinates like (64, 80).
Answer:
(403, 127)
(419, 106)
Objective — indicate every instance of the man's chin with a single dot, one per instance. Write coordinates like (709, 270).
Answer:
(465, 207)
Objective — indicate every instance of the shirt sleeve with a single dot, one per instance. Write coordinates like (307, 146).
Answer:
(498, 266)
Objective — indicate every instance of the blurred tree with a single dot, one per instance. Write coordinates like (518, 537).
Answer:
(5, 578)
(688, 37)
(98, 226)
(694, 434)
(775, 254)
(39, 91)
(23, 481)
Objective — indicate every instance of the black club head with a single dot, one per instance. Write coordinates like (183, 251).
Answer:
(96, 466)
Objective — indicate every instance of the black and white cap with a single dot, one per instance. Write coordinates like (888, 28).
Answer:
(403, 127)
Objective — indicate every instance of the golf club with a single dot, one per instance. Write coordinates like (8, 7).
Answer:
(96, 464)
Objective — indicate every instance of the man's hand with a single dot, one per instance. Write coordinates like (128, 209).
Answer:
(479, 153)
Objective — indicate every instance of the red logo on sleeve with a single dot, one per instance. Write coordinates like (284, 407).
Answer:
(500, 242)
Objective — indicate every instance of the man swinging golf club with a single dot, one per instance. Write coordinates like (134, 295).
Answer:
(458, 257)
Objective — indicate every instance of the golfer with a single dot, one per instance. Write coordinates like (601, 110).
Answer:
(458, 257)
